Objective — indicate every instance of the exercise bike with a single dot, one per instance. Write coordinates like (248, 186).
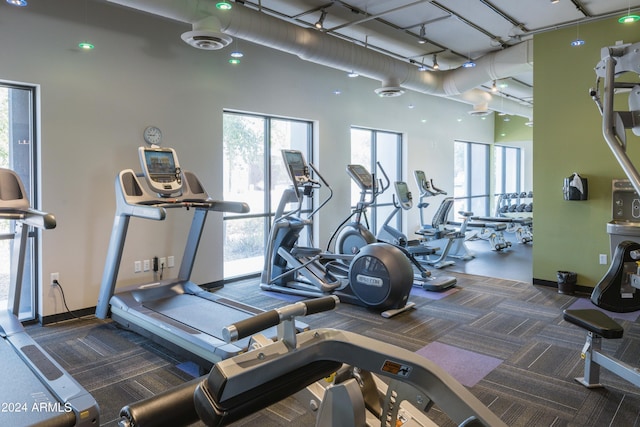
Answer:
(378, 277)
(402, 200)
(354, 236)
(451, 242)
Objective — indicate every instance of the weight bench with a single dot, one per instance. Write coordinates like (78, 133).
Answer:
(598, 326)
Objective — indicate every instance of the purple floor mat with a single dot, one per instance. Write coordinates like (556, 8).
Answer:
(466, 366)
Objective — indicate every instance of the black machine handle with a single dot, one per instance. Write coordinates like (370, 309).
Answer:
(262, 321)
(384, 184)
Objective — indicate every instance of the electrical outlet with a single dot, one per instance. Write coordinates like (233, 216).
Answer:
(163, 262)
(603, 258)
(171, 261)
(137, 266)
(54, 277)
(146, 265)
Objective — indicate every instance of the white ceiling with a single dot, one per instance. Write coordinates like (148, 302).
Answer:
(454, 30)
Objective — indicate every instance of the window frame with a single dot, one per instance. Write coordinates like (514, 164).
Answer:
(31, 180)
(270, 196)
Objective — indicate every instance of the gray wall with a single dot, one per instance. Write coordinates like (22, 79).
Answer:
(94, 106)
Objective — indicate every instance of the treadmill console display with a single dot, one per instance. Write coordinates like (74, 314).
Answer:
(296, 166)
(161, 170)
(361, 176)
(404, 195)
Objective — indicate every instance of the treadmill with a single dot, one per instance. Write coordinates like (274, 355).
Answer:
(174, 312)
(36, 390)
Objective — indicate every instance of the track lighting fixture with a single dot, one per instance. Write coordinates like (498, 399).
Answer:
(435, 62)
(320, 24)
(494, 88)
(578, 41)
(423, 33)
(469, 64)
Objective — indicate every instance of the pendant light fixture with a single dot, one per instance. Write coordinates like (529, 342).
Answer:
(629, 18)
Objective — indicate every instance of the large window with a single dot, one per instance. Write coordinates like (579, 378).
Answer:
(471, 180)
(368, 147)
(18, 152)
(507, 171)
(254, 173)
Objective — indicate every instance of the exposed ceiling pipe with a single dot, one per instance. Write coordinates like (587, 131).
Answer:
(314, 46)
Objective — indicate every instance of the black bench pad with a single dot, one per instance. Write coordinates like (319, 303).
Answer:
(594, 321)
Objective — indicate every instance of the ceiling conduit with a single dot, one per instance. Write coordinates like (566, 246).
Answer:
(311, 45)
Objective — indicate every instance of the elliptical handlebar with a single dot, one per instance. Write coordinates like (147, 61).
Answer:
(383, 185)
(326, 184)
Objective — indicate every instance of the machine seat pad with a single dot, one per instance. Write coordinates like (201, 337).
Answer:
(594, 321)
(214, 412)
(416, 247)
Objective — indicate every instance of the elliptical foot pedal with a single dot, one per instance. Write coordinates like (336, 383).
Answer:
(393, 312)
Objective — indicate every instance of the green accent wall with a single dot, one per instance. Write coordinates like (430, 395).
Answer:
(567, 138)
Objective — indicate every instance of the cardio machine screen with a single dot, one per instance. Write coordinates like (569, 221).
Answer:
(403, 193)
(361, 176)
(296, 166)
(421, 179)
(161, 169)
(160, 163)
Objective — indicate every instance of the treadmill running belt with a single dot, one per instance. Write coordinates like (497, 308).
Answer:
(207, 316)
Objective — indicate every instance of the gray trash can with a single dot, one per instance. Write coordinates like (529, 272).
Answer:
(567, 282)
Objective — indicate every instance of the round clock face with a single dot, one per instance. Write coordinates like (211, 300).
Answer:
(153, 135)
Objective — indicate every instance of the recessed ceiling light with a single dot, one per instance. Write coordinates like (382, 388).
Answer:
(85, 46)
(20, 3)
(223, 5)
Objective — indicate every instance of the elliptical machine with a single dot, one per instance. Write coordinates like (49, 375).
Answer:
(379, 277)
(403, 200)
(354, 236)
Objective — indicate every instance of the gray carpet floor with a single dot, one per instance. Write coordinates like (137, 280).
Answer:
(513, 323)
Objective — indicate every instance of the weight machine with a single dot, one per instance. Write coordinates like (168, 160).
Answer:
(615, 62)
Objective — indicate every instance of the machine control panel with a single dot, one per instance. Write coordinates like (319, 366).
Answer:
(161, 169)
(361, 176)
(626, 202)
(296, 166)
(404, 195)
